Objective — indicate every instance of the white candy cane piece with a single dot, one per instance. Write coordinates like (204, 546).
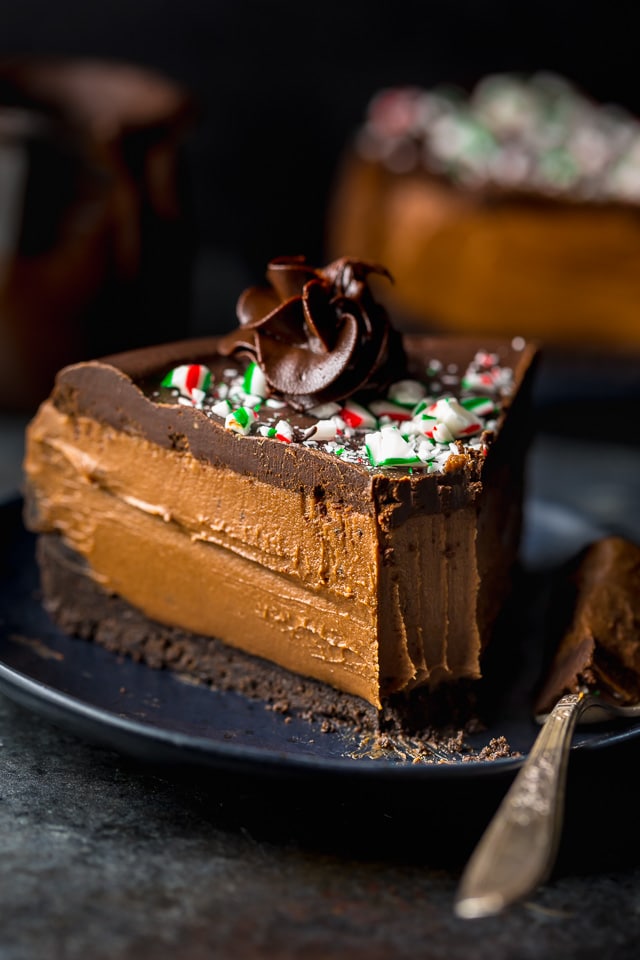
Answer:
(221, 408)
(441, 433)
(325, 430)
(388, 446)
(426, 450)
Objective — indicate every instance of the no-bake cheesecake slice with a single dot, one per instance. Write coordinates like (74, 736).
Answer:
(595, 626)
(312, 489)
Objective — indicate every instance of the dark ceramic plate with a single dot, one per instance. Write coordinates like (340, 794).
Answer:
(157, 717)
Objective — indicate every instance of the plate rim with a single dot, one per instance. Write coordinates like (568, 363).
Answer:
(209, 751)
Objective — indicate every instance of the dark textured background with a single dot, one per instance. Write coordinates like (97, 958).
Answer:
(282, 85)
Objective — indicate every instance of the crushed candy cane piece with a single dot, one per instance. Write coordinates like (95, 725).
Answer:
(441, 432)
(459, 421)
(421, 425)
(284, 431)
(240, 420)
(387, 408)
(414, 424)
(254, 382)
(480, 406)
(484, 358)
(357, 416)
(422, 405)
(426, 450)
(484, 372)
(325, 430)
(387, 447)
(324, 410)
(187, 378)
(406, 392)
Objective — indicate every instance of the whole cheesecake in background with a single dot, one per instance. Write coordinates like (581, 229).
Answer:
(516, 204)
(336, 501)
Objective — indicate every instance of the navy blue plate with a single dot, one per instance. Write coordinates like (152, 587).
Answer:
(159, 717)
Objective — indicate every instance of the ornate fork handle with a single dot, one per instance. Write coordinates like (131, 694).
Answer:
(518, 849)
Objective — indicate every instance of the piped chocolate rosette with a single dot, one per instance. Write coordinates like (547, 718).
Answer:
(317, 334)
(316, 361)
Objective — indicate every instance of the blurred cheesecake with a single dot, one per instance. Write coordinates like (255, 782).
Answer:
(518, 204)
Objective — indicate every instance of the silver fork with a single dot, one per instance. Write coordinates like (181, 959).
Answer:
(518, 849)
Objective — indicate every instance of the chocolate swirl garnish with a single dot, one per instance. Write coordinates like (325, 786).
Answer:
(318, 334)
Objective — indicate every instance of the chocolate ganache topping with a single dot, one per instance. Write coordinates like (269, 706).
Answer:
(318, 334)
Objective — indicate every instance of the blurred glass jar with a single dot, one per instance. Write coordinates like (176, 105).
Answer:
(96, 231)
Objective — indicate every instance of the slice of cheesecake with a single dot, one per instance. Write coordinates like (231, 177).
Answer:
(596, 626)
(235, 488)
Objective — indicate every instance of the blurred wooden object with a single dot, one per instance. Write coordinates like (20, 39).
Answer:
(96, 239)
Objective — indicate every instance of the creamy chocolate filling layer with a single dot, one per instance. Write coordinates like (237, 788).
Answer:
(279, 573)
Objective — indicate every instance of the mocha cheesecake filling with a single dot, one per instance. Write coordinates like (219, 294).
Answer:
(194, 558)
(315, 578)
(361, 554)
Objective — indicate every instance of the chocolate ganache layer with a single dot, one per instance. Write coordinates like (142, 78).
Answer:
(366, 541)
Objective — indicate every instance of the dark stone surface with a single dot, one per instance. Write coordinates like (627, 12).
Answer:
(101, 858)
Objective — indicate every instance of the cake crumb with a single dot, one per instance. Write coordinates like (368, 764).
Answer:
(497, 748)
